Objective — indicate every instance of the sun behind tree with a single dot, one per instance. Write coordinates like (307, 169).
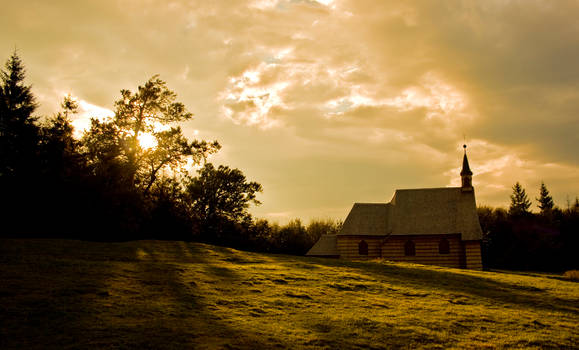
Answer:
(140, 138)
(147, 141)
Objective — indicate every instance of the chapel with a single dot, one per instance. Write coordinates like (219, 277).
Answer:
(434, 226)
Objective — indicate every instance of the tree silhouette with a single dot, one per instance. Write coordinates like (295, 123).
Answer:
(113, 146)
(59, 150)
(18, 133)
(220, 194)
(519, 201)
(545, 199)
(19, 161)
(171, 151)
(17, 102)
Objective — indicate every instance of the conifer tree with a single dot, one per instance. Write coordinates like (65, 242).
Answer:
(18, 133)
(545, 199)
(520, 203)
(16, 100)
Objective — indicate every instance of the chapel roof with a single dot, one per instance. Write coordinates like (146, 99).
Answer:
(327, 245)
(435, 211)
(367, 219)
(417, 212)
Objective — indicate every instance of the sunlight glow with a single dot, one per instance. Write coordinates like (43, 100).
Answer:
(264, 4)
(325, 2)
(438, 98)
(256, 96)
(86, 111)
(270, 4)
(147, 141)
(249, 102)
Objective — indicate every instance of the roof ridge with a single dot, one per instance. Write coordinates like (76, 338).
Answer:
(375, 203)
(428, 188)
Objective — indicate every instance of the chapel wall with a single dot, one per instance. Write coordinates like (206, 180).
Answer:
(426, 250)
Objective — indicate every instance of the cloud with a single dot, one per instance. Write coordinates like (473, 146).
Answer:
(249, 102)
(497, 168)
(372, 95)
(85, 112)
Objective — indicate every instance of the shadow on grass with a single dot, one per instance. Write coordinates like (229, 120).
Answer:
(457, 283)
(69, 294)
(177, 312)
(366, 333)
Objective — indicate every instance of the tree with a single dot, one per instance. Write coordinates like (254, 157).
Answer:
(18, 133)
(59, 150)
(16, 100)
(519, 201)
(219, 195)
(19, 161)
(292, 238)
(114, 145)
(168, 215)
(104, 153)
(171, 150)
(317, 228)
(545, 199)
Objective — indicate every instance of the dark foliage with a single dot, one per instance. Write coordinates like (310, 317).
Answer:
(19, 139)
(540, 242)
(219, 199)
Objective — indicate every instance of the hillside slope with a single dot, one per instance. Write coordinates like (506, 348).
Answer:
(151, 294)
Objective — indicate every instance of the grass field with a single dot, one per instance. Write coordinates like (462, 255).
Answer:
(64, 294)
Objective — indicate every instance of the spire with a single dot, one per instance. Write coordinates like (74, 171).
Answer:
(465, 168)
(466, 173)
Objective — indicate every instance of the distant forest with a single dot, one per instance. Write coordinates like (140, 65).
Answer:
(109, 185)
(520, 239)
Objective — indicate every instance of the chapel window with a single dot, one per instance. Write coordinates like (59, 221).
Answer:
(363, 248)
(409, 248)
(443, 246)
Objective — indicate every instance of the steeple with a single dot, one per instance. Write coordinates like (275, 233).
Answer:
(466, 173)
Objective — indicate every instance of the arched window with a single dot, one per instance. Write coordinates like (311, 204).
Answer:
(443, 246)
(363, 248)
(409, 248)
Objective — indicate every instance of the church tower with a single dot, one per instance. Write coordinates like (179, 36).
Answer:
(466, 173)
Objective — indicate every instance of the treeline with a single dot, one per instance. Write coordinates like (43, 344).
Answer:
(522, 240)
(127, 178)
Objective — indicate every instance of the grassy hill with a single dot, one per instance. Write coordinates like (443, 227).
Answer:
(151, 294)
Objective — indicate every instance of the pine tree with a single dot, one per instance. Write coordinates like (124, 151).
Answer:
(545, 199)
(16, 100)
(18, 133)
(19, 160)
(520, 203)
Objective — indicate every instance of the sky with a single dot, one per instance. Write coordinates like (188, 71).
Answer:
(330, 102)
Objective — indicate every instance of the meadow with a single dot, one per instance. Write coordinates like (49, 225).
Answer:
(63, 294)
